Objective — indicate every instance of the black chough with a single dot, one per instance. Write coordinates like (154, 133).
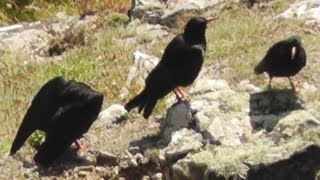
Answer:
(65, 110)
(284, 59)
(179, 66)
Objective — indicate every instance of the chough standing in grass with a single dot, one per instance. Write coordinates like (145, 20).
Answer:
(179, 66)
(65, 110)
(284, 59)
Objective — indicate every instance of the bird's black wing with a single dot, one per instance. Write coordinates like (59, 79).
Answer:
(173, 51)
(276, 54)
(69, 123)
(40, 112)
(280, 51)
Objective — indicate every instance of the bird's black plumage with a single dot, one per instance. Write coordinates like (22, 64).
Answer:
(284, 59)
(179, 66)
(64, 110)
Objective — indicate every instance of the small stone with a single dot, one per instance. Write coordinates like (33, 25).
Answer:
(113, 114)
(134, 150)
(83, 174)
(157, 176)
(84, 168)
(101, 171)
(145, 178)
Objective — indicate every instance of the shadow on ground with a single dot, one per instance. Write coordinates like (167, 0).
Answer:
(267, 108)
(179, 115)
(303, 164)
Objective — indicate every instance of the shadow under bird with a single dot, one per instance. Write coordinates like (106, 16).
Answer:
(179, 66)
(284, 59)
(64, 110)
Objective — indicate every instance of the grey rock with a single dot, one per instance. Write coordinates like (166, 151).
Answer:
(157, 12)
(182, 142)
(32, 40)
(157, 176)
(100, 170)
(84, 168)
(112, 114)
(303, 9)
(302, 164)
(142, 65)
(134, 150)
(193, 166)
(222, 116)
(178, 117)
(106, 158)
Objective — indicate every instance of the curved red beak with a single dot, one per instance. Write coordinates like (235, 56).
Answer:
(210, 19)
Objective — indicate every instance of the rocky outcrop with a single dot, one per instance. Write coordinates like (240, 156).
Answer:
(142, 65)
(36, 40)
(308, 10)
(303, 164)
(165, 12)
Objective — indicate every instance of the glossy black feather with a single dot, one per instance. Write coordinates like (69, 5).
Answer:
(43, 107)
(278, 62)
(72, 107)
(179, 66)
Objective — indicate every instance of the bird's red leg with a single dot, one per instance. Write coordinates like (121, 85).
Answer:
(178, 95)
(184, 95)
(294, 91)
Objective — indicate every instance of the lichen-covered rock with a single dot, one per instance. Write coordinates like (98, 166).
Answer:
(222, 114)
(193, 166)
(182, 142)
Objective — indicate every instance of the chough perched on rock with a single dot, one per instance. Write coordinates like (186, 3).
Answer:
(179, 66)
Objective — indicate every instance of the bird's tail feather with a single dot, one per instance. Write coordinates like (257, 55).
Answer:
(259, 69)
(23, 133)
(139, 100)
(149, 107)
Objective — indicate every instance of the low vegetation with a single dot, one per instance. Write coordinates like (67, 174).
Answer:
(16, 11)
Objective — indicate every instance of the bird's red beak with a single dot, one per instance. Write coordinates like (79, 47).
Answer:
(210, 19)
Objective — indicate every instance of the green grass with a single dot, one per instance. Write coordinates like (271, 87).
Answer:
(241, 37)
(102, 64)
